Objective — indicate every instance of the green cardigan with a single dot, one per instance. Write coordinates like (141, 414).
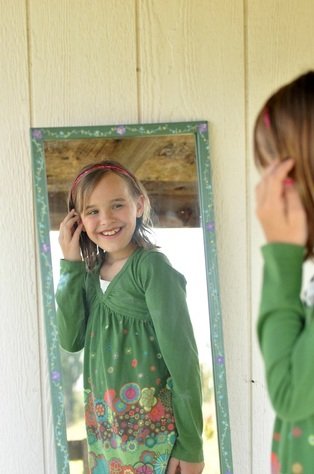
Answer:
(141, 365)
(286, 337)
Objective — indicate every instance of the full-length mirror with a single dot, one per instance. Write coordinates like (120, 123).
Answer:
(172, 162)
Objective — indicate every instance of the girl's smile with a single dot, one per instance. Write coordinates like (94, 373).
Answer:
(110, 233)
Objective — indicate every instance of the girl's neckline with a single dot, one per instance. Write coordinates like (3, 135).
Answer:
(112, 269)
(120, 272)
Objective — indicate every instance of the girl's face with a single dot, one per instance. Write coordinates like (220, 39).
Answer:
(109, 215)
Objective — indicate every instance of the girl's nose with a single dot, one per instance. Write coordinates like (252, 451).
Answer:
(105, 216)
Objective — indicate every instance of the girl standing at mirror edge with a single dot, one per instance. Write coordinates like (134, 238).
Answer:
(125, 305)
(284, 149)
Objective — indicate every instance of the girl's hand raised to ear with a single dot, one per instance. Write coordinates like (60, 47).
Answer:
(176, 466)
(69, 235)
(279, 207)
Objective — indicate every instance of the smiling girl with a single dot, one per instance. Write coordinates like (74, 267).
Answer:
(126, 306)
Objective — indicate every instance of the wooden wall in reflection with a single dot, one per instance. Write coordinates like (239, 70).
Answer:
(165, 165)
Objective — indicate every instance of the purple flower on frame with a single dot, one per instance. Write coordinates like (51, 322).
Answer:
(37, 134)
(202, 127)
(220, 360)
(45, 247)
(55, 376)
(120, 130)
(210, 226)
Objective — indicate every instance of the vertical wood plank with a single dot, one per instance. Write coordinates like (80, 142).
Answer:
(20, 393)
(280, 45)
(83, 62)
(191, 58)
(83, 71)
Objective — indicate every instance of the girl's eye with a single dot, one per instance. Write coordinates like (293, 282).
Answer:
(117, 206)
(91, 212)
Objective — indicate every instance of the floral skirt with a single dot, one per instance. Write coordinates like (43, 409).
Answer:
(132, 432)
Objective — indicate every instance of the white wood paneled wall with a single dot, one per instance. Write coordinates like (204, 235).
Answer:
(66, 62)
(21, 435)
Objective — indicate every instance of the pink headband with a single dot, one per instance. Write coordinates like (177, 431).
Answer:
(103, 167)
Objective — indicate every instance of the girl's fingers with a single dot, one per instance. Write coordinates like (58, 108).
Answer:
(67, 226)
(70, 230)
(270, 168)
(279, 168)
(77, 232)
(296, 215)
(272, 183)
(70, 218)
(69, 236)
(279, 207)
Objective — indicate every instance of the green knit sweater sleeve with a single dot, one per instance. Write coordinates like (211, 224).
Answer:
(165, 297)
(71, 305)
(285, 335)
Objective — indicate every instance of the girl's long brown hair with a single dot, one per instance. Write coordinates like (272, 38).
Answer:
(82, 188)
(284, 128)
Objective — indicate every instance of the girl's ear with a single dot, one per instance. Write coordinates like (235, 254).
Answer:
(140, 206)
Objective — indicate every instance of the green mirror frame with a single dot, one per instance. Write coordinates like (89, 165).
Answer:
(200, 131)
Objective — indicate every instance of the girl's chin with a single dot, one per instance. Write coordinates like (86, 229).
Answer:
(114, 247)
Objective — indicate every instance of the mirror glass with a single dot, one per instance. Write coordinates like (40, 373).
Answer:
(172, 161)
